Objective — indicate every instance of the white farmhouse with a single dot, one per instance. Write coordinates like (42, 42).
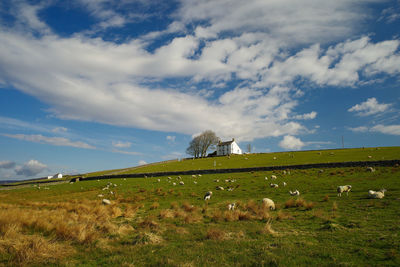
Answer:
(57, 175)
(228, 148)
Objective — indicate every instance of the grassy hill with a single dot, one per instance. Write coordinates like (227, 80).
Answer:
(154, 222)
(264, 159)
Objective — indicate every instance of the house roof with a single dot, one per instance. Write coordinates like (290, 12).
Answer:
(226, 143)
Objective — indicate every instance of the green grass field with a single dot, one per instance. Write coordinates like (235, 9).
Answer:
(265, 159)
(157, 223)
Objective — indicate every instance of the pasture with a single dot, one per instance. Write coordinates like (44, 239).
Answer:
(264, 159)
(153, 223)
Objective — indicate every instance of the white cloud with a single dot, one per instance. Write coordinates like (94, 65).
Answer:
(59, 130)
(171, 138)
(30, 168)
(142, 162)
(120, 144)
(360, 129)
(308, 116)
(291, 143)
(386, 129)
(55, 141)
(107, 82)
(380, 128)
(289, 20)
(369, 107)
(7, 164)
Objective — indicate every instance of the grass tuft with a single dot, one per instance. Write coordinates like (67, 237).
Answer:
(215, 234)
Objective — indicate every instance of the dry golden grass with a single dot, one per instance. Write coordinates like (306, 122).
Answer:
(64, 223)
(188, 207)
(267, 229)
(33, 249)
(334, 206)
(166, 214)
(193, 218)
(321, 215)
(281, 215)
(155, 205)
(174, 205)
(300, 202)
(215, 234)
(149, 223)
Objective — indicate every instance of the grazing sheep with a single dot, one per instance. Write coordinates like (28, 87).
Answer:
(343, 188)
(231, 206)
(174, 183)
(194, 182)
(207, 196)
(295, 193)
(284, 172)
(284, 184)
(274, 185)
(193, 176)
(273, 177)
(370, 157)
(370, 169)
(100, 195)
(216, 180)
(274, 158)
(268, 203)
(181, 183)
(266, 178)
(158, 180)
(219, 188)
(169, 178)
(376, 194)
(106, 201)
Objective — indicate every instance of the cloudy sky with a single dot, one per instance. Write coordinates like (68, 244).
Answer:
(90, 85)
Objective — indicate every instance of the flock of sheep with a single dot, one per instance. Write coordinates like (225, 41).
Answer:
(267, 202)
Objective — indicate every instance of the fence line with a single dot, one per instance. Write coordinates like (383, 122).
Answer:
(250, 169)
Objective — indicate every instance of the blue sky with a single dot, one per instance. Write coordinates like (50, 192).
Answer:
(90, 85)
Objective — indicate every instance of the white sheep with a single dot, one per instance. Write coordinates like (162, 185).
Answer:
(231, 206)
(181, 183)
(194, 182)
(343, 188)
(274, 185)
(268, 203)
(376, 194)
(370, 169)
(266, 178)
(106, 201)
(219, 188)
(284, 184)
(173, 183)
(273, 177)
(158, 180)
(207, 196)
(295, 193)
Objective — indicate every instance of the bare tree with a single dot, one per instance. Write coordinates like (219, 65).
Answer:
(200, 144)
